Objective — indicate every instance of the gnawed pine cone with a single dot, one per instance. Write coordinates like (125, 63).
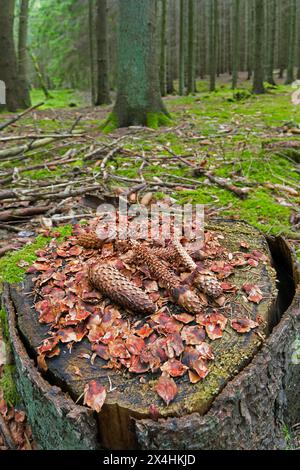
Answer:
(187, 299)
(157, 269)
(209, 285)
(183, 256)
(89, 240)
(113, 284)
(181, 295)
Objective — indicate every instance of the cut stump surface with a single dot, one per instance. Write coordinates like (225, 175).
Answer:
(130, 397)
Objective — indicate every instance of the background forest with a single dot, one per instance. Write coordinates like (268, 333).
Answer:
(73, 44)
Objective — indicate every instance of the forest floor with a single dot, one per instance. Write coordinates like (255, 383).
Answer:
(236, 153)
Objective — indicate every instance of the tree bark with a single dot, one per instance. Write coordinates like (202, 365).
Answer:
(8, 59)
(291, 42)
(258, 80)
(235, 42)
(92, 50)
(182, 49)
(102, 54)
(271, 8)
(22, 53)
(172, 46)
(163, 48)
(138, 98)
(213, 9)
(191, 48)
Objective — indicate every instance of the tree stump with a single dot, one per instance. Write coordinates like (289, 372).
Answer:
(253, 386)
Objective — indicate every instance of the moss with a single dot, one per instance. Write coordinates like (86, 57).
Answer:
(14, 265)
(110, 124)
(155, 120)
(8, 386)
(59, 98)
(4, 323)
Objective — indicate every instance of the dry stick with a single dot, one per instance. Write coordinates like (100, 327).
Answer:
(10, 228)
(6, 248)
(36, 167)
(4, 429)
(62, 195)
(38, 136)
(13, 151)
(19, 116)
(241, 193)
(178, 157)
(13, 214)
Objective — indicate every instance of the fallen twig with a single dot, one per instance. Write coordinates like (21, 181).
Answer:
(19, 116)
(13, 214)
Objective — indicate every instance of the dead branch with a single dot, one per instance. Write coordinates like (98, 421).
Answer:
(19, 116)
(241, 193)
(13, 214)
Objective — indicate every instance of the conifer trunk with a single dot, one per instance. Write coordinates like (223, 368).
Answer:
(291, 42)
(163, 48)
(181, 49)
(102, 54)
(22, 53)
(212, 43)
(258, 80)
(271, 9)
(235, 42)
(8, 59)
(138, 99)
(191, 48)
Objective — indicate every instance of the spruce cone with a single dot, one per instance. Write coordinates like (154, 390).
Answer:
(209, 285)
(157, 269)
(108, 280)
(187, 299)
(90, 240)
(186, 260)
(169, 253)
(181, 295)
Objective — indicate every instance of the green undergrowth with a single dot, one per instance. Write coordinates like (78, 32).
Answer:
(59, 99)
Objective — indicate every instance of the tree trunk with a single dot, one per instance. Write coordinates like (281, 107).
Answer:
(102, 54)
(191, 49)
(291, 42)
(22, 53)
(213, 8)
(271, 8)
(138, 98)
(202, 39)
(92, 50)
(182, 49)
(258, 80)
(8, 59)
(235, 42)
(172, 47)
(163, 48)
